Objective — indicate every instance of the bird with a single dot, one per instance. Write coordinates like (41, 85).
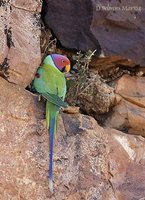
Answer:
(50, 83)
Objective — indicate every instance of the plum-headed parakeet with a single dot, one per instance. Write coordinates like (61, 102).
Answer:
(50, 82)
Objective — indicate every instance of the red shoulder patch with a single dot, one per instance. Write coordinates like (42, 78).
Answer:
(37, 75)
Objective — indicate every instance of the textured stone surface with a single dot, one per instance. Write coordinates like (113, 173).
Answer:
(129, 113)
(92, 95)
(126, 164)
(20, 44)
(121, 32)
(83, 26)
(72, 28)
(22, 158)
(24, 151)
(97, 97)
(89, 162)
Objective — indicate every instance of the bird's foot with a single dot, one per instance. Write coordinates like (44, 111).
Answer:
(39, 97)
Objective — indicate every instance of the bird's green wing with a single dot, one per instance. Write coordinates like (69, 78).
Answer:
(55, 100)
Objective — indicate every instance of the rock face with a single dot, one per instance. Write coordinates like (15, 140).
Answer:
(117, 27)
(126, 164)
(96, 98)
(61, 16)
(20, 44)
(129, 113)
(89, 162)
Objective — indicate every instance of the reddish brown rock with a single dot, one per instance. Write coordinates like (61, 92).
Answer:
(3, 46)
(79, 153)
(132, 89)
(129, 113)
(92, 95)
(20, 44)
(126, 163)
(89, 162)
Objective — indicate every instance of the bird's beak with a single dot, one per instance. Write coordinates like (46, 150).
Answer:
(67, 68)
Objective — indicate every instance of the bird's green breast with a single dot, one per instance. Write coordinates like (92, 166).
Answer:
(50, 80)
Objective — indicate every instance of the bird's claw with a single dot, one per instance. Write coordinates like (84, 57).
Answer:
(39, 97)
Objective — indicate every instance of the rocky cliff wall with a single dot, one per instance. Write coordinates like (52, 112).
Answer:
(90, 162)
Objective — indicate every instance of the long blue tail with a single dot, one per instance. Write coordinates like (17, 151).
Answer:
(51, 132)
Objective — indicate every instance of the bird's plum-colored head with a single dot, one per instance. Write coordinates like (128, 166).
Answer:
(61, 62)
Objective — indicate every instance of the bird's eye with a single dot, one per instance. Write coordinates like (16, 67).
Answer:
(63, 61)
